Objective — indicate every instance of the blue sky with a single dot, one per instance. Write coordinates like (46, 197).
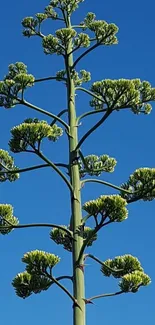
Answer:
(42, 197)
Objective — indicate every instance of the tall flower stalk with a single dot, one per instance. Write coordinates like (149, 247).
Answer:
(106, 96)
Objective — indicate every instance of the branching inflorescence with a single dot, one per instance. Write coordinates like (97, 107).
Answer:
(106, 97)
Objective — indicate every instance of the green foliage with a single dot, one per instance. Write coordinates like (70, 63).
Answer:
(60, 237)
(109, 206)
(67, 5)
(7, 219)
(133, 281)
(6, 164)
(122, 265)
(129, 269)
(94, 165)
(142, 184)
(31, 133)
(122, 93)
(82, 40)
(109, 95)
(105, 34)
(25, 284)
(39, 262)
(51, 45)
(51, 13)
(81, 77)
(14, 83)
(35, 278)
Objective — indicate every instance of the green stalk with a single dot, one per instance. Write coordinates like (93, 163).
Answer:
(78, 275)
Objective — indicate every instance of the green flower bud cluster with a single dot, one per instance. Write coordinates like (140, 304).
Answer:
(81, 77)
(32, 25)
(25, 284)
(133, 281)
(129, 269)
(68, 5)
(105, 33)
(142, 184)
(60, 237)
(94, 165)
(39, 262)
(108, 206)
(6, 164)
(51, 13)
(121, 265)
(117, 94)
(82, 40)
(57, 44)
(7, 218)
(15, 82)
(31, 133)
(35, 278)
(60, 75)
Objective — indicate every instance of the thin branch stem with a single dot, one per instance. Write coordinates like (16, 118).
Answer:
(40, 110)
(85, 243)
(33, 225)
(91, 113)
(87, 134)
(105, 183)
(88, 301)
(85, 53)
(60, 114)
(23, 169)
(49, 78)
(18, 171)
(59, 172)
(102, 263)
(62, 287)
(91, 94)
(63, 277)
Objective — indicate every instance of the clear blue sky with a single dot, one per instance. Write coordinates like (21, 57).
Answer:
(42, 197)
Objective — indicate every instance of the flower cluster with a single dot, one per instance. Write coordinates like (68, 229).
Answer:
(81, 77)
(129, 269)
(31, 133)
(105, 34)
(120, 266)
(6, 166)
(142, 184)
(58, 44)
(39, 262)
(94, 165)
(7, 219)
(112, 207)
(35, 278)
(14, 83)
(25, 284)
(60, 237)
(123, 93)
(133, 281)
(67, 5)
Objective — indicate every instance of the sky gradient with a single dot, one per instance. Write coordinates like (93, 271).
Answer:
(40, 196)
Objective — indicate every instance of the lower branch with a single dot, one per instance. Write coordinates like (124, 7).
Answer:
(101, 263)
(33, 225)
(27, 169)
(59, 172)
(89, 300)
(40, 110)
(60, 114)
(91, 94)
(105, 183)
(54, 280)
(49, 78)
(87, 134)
